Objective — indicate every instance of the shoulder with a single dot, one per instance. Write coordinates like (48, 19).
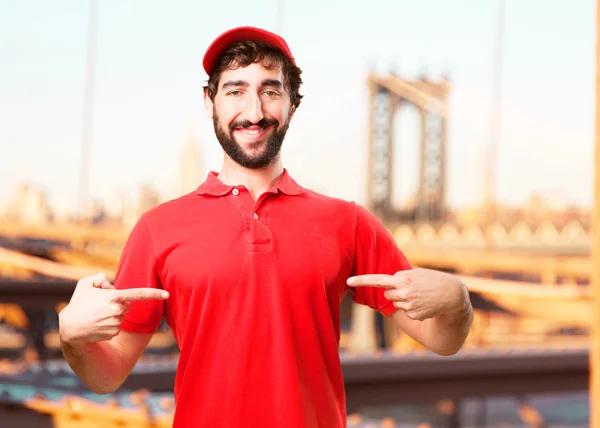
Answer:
(171, 210)
(319, 200)
(349, 210)
(340, 212)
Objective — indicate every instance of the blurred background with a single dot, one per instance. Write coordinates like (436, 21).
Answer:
(466, 126)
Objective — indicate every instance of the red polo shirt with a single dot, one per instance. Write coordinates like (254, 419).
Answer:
(255, 290)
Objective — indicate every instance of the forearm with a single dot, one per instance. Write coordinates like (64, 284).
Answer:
(98, 364)
(446, 333)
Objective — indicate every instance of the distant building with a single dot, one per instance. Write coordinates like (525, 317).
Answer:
(189, 167)
(29, 205)
(95, 212)
(114, 207)
(149, 198)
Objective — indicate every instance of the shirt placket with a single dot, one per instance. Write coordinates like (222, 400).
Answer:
(255, 215)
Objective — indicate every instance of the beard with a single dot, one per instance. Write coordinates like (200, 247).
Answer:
(265, 156)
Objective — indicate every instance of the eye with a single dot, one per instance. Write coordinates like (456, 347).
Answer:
(271, 94)
(234, 93)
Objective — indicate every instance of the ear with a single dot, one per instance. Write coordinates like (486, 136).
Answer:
(208, 104)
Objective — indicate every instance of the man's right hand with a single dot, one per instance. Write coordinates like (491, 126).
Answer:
(97, 309)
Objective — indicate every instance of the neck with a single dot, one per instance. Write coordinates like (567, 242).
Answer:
(257, 181)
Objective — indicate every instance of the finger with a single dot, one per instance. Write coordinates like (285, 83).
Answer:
(121, 308)
(106, 285)
(118, 320)
(399, 304)
(132, 294)
(394, 294)
(125, 307)
(98, 280)
(375, 280)
(405, 272)
(415, 315)
(113, 321)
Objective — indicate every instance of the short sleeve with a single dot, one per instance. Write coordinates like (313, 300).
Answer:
(137, 269)
(376, 252)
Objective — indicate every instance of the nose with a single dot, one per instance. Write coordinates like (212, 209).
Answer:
(253, 108)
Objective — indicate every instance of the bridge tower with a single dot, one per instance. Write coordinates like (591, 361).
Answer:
(386, 95)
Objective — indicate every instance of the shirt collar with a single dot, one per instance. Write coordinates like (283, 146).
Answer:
(215, 187)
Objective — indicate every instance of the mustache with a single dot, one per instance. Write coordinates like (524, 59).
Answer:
(263, 123)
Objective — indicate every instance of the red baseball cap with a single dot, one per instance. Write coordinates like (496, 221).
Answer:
(240, 34)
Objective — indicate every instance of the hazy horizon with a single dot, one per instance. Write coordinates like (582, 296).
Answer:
(148, 97)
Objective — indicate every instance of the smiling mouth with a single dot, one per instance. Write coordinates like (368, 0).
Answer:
(252, 133)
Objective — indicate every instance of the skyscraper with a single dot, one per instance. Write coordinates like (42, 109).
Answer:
(189, 166)
(29, 205)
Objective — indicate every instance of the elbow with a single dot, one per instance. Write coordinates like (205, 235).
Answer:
(447, 352)
(449, 349)
(103, 389)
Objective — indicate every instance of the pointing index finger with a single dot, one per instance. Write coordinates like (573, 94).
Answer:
(373, 280)
(132, 294)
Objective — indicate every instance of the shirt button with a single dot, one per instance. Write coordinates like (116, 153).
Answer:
(256, 216)
(235, 192)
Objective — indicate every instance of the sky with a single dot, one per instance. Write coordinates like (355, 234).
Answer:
(148, 92)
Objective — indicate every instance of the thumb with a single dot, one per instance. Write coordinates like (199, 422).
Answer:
(105, 285)
(100, 281)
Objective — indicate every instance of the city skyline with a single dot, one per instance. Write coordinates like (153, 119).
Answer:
(149, 95)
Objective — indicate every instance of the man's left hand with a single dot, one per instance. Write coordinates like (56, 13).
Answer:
(421, 293)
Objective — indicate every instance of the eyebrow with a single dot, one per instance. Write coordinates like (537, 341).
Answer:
(274, 83)
(234, 83)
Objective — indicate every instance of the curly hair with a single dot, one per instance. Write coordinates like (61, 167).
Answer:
(242, 54)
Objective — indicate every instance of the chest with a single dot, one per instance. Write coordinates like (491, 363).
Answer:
(274, 255)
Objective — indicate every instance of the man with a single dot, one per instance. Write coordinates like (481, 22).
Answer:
(249, 271)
